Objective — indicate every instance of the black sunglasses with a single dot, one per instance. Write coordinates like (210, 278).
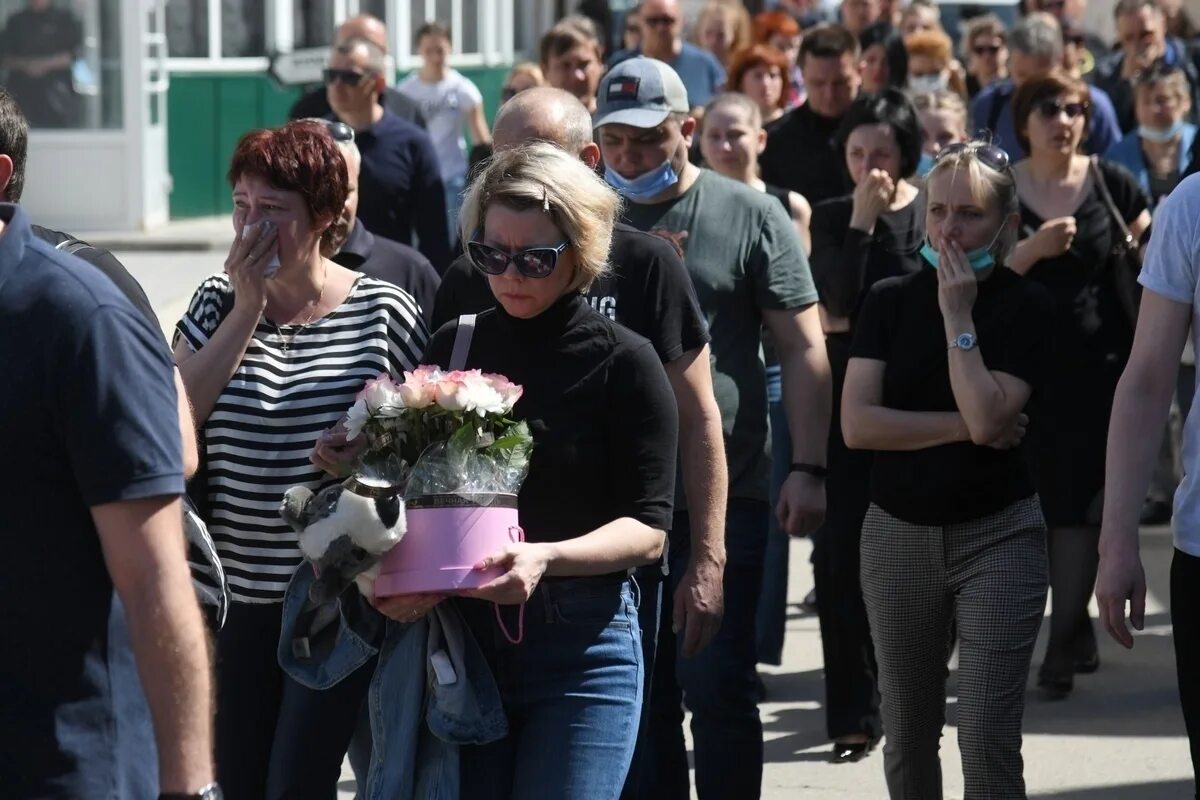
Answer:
(340, 131)
(985, 49)
(658, 21)
(1051, 107)
(349, 77)
(536, 262)
(988, 154)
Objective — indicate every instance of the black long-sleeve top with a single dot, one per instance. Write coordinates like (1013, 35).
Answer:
(846, 262)
(601, 411)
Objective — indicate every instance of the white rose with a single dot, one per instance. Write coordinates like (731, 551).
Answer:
(382, 397)
(356, 418)
(479, 395)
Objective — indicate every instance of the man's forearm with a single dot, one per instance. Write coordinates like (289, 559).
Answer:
(706, 484)
(171, 648)
(807, 398)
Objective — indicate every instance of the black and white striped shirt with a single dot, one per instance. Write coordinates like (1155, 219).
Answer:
(293, 383)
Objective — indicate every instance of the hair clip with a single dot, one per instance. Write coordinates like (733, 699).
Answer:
(545, 200)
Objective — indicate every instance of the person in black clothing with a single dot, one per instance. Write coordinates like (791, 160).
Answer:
(400, 179)
(356, 248)
(648, 291)
(954, 534)
(598, 498)
(37, 48)
(1067, 231)
(800, 154)
(858, 240)
(316, 102)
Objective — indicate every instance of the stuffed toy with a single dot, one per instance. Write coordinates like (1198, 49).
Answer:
(344, 535)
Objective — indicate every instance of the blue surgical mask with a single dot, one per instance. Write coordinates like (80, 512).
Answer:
(645, 186)
(979, 259)
(924, 164)
(1160, 134)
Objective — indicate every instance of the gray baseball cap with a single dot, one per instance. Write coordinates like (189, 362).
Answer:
(640, 92)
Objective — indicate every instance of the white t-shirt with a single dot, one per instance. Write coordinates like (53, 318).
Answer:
(445, 105)
(1171, 268)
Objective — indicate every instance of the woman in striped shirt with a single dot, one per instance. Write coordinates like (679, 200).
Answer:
(273, 351)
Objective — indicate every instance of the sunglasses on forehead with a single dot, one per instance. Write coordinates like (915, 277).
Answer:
(535, 262)
(988, 154)
(340, 131)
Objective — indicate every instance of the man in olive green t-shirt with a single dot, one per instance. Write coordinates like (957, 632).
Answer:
(749, 269)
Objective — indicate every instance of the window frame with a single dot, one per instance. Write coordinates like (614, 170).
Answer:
(495, 22)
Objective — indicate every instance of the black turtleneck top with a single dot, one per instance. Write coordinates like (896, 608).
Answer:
(603, 417)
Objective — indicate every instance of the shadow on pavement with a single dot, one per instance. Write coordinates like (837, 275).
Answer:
(1166, 790)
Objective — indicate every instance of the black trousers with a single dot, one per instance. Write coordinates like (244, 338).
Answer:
(1185, 622)
(274, 737)
(851, 695)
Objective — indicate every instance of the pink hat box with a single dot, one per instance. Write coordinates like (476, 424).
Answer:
(448, 534)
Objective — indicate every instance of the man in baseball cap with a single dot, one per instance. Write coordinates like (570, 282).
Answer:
(749, 269)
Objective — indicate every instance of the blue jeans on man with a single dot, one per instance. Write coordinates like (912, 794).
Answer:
(719, 684)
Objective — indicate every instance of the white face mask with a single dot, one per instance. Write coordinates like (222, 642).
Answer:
(928, 84)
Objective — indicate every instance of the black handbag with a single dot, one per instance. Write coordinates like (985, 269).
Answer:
(1125, 258)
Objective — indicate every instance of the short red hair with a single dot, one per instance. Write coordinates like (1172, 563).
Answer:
(758, 55)
(299, 157)
(773, 23)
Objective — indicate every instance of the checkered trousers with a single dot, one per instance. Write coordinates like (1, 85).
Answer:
(990, 577)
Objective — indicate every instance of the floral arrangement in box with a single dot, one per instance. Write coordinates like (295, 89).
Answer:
(444, 441)
(441, 433)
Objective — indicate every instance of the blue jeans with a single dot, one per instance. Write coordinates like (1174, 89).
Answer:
(772, 601)
(572, 691)
(718, 684)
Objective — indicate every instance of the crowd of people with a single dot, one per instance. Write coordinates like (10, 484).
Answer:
(827, 272)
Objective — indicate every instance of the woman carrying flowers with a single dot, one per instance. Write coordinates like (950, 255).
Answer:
(598, 497)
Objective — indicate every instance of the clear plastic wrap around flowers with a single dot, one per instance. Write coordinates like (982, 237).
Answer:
(441, 433)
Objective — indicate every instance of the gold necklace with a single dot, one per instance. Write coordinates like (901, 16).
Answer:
(287, 341)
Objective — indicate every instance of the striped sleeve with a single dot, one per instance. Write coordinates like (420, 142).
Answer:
(204, 313)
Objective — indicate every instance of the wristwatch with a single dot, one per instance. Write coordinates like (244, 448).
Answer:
(964, 341)
(210, 792)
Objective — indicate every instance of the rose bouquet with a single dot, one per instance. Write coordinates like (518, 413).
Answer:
(441, 433)
(448, 443)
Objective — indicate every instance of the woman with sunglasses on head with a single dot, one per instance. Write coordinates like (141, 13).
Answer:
(943, 364)
(1067, 235)
(859, 239)
(273, 351)
(599, 494)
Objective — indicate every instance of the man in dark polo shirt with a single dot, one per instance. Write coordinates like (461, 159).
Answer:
(365, 26)
(363, 251)
(400, 184)
(91, 520)
(801, 153)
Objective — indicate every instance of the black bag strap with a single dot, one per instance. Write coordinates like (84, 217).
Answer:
(1113, 211)
(72, 245)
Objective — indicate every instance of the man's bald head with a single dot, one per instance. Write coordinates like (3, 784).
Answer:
(543, 114)
(364, 26)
